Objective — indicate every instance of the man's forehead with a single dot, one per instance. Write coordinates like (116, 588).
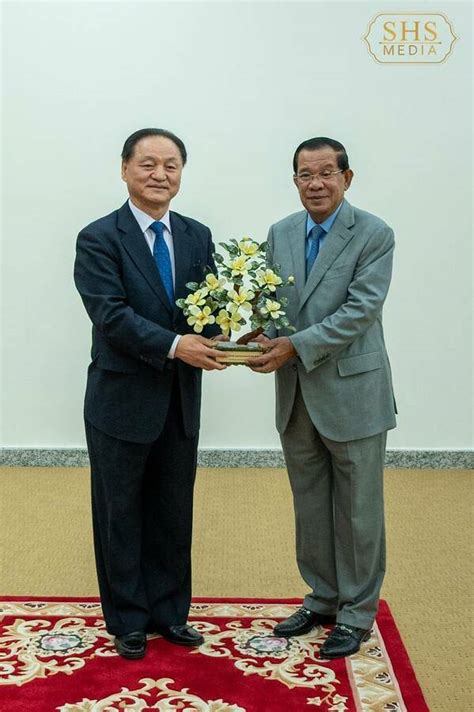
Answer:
(318, 155)
(151, 146)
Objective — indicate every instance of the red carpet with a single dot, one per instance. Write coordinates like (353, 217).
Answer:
(56, 655)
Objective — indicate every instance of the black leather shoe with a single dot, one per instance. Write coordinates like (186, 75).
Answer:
(301, 622)
(344, 640)
(181, 634)
(131, 645)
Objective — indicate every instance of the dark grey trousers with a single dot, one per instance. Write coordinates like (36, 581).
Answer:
(338, 499)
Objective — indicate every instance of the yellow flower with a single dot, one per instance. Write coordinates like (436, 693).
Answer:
(197, 298)
(239, 265)
(268, 278)
(291, 279)
(240, 299)
(272, 308)
(229, 320)
(248, 246)
(213, 282)
(200, 317)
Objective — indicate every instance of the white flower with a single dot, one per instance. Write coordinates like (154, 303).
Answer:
(239, 266)
(229, 320)
(272, 308)
(200, 317)
(248, 247)
(197, 298)
(240, 299)
(267, 278)
(213, 283)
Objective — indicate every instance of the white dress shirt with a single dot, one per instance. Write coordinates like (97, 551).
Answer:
(144, 220)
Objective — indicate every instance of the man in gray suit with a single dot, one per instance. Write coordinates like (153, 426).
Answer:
(334, 394)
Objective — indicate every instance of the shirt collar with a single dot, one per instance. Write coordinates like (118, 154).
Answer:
(145, 220)
(326, 224)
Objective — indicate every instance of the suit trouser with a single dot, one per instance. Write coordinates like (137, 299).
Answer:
(338, 499)
(142, 504)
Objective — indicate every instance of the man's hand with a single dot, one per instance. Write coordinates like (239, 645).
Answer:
(220, 337)
(280, 350)
(198, 351)
(260, 339)
(251, 336)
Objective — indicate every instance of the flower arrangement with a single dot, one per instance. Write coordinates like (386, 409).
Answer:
(242, 292)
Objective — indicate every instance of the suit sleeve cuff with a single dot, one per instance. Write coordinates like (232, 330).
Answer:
(172, 350)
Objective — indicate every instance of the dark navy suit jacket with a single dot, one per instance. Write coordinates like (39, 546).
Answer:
(130, 378)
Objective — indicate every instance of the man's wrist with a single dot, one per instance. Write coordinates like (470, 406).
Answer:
(295, 350)
(291, 346)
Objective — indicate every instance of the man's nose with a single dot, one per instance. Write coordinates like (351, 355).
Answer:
(315, 181)
(159, 173)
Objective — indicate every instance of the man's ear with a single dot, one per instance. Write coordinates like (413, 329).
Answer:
(295, 181)
(124, 171)
(348, 176)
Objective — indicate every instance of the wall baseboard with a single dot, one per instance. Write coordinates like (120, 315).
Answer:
(208, 457)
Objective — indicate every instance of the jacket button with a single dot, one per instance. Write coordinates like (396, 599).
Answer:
(294, 367)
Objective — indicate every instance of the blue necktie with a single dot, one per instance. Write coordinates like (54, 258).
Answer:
(163, 260)
(313, 238)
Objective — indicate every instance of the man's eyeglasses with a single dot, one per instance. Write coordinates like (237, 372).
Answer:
(306, 178)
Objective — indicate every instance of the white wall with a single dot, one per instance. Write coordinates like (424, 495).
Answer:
(242, 83)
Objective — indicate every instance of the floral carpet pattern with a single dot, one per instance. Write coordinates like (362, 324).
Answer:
(55, 655)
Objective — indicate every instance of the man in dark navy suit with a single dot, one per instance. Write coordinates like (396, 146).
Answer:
(143, 394)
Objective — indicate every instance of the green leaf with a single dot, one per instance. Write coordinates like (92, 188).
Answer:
(192, 286)
(231, 249)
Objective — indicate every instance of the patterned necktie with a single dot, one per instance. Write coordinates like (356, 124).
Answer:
(163, 260)
(313, 239)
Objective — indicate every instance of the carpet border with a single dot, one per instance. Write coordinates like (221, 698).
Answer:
(406, 674)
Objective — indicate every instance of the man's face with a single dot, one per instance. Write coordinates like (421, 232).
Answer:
(153, 174)
(320, 194)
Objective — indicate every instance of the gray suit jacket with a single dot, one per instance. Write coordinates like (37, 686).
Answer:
(342, 363)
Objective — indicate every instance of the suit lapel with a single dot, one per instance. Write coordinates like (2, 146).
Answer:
(183, 244)
(336, 240)
(135, 244)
